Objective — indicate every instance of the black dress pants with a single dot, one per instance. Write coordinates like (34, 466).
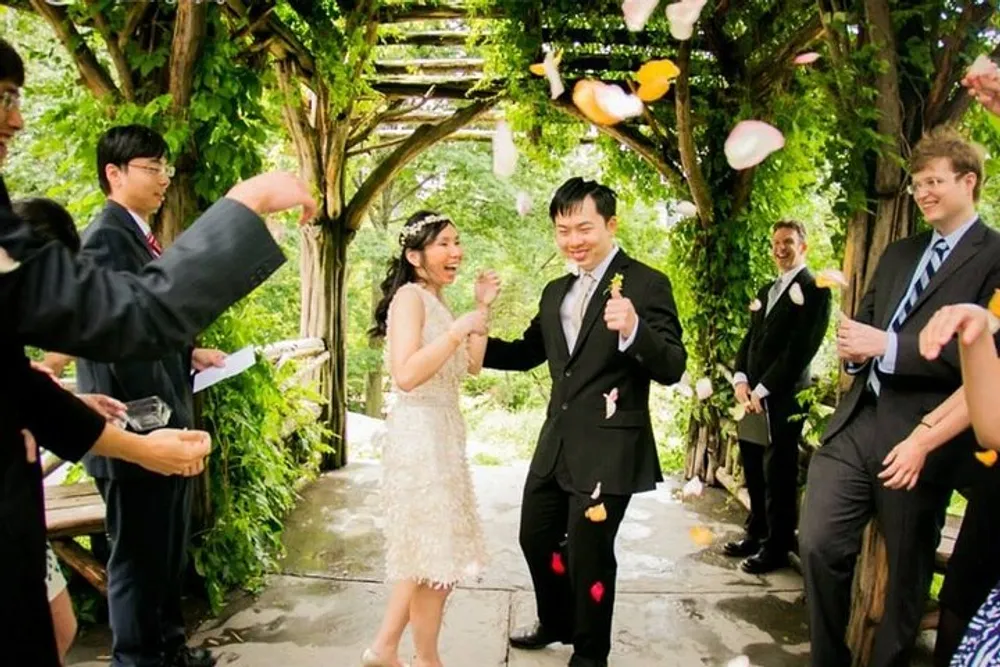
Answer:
(148, 522)
(842, 493)
(571, 560)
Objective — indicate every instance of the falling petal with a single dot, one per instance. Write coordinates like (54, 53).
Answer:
(637, 13)
(681, 31)
(551, 69)
(610, 403)
(703, 388)
(750, 142)
(693, 488)
(682, 16)
(6, 263)
(701, 536)
(831, 278)
(738, 412)
(597, 513)
(988, 458)
(655, 78)
(795, 294)
(616, 103)
(504, 151)
(597, 592)
(994, 304)
(755, 305)
(981, 66)
(597, 492)
(538, 69)
(584, 97)
(806, 58)
(687, 209)
(739, 661)
(557, 564)
(523, 204)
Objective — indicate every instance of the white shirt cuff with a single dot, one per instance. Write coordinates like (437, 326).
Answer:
(739, 377)
(887, 362)
(761, 391)
(627, 343)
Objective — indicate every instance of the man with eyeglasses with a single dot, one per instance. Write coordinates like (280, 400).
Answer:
(871, 462)
(148, 515)
(53, 301)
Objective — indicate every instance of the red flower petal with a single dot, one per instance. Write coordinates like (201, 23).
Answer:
(597, 592)
(557, 564)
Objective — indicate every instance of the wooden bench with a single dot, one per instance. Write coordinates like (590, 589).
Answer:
(76, 510)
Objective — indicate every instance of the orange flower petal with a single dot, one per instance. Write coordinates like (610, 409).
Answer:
(701, 536)
(988, 458)
(994, 305)
(597, 513)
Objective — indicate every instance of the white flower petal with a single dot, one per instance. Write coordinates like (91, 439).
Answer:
(693, 488)
(637, 13)
(981, 65)
(7, 264)
(617, 103)
(687, 209)
(597, 492)
(703, 388)
(504, 151)
(755, 305)
(551, 66)
(523, 204)
(750, 142)
(795, 294)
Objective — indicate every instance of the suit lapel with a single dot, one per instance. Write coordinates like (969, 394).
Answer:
(119, 215)
(911, 254)
(967, 247)
(596, 305)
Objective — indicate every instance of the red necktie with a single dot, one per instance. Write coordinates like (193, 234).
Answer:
(154, 245)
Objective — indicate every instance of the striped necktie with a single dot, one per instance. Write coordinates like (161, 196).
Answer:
(917, 288)
(154, 245)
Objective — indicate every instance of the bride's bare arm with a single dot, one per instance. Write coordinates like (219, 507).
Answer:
(411, 363)
(477, 347)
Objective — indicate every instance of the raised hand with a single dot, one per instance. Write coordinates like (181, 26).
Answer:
(170, 451)
(487, 287)
(620, 316)
(965, 319)
(273, 192)
(985, 87)
(473, 322)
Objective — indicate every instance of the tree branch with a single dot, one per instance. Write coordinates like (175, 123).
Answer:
(422, 138)
(114, 50)
(949, 71)
(888, 173)
(297, 121)
(368, 125)
(136, 13)
(959, 102)
(95, 77)
(189, 34)
(693, 174)
(378, 146)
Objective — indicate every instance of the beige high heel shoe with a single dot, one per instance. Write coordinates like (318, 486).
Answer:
(370, 659)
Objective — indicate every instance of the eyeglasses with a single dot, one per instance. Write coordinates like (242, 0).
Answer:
(9, 100)
(931, 184)
(167, 170)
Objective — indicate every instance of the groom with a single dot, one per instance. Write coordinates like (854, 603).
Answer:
(596, 447)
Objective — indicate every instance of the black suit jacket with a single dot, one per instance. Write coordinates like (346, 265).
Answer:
(779, 346)
(970, 274)
(114, 241)
(619, 452)
(57, 302)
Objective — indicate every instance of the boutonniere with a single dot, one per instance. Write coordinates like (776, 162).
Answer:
(615, 287)
(610, 403)
(755, 305)
(795, 294)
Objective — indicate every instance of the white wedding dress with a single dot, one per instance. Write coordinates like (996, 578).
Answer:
(432, 529)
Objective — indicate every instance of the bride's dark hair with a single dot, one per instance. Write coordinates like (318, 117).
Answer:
(419, 231)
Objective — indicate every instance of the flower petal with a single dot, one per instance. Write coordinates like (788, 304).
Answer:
(597, 492)
(597, 592)
(7, 264)
(523, 204)
(597, 513)
(994, 304)
(584, 97)
(693, 489)
(981, 66)
(687, 209)
(701, 536)
(654, 79)
(988, 458)
(750, 142)
(806, 58)
(755, 305)
(616, 103)
(637, 13)
(551, 68)
(831, 278)
(504, 151)
(703, 388)
(795, 294)
(557, 563)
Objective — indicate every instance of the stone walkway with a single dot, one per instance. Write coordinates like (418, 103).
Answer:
(678, 603)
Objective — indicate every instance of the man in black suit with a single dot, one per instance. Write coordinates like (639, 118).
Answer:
(596, 447)
(52, 301)
(787, 322)
(148, 515)
(860, 471)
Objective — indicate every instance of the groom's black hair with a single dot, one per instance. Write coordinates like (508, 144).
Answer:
(570, 195)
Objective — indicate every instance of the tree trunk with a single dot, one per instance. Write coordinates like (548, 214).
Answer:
(373, 379)
(180, 207)
(324, 273)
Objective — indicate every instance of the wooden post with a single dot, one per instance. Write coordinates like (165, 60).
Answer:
(868, 594)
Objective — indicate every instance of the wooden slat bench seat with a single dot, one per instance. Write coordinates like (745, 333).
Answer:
(76, 510)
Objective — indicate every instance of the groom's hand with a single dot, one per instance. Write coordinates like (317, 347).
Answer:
(620, 316)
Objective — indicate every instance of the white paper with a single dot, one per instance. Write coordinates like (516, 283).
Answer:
(235, 363)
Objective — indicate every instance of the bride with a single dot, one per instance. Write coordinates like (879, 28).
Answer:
(432, 529)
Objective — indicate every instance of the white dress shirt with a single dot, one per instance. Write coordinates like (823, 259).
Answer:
(566, 308)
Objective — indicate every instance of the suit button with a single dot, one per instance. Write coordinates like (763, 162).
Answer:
(638, 357)
(568, 373)
(565, 406)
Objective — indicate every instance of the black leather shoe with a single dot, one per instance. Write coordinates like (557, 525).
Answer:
(741, 548)
(579, 661)
(763, 562)
(192, 657)
(536, 638)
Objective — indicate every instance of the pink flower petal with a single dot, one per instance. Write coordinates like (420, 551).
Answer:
(703, 388)
(750, 142)
(683, 15)
(806, 58)
(557, 564)
(504, 151)
(981, 66)
(597, 592)
(637, 13)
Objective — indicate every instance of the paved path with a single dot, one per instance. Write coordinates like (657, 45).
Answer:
(678, 603)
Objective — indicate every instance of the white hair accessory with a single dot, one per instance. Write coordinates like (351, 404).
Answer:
(411, 230)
